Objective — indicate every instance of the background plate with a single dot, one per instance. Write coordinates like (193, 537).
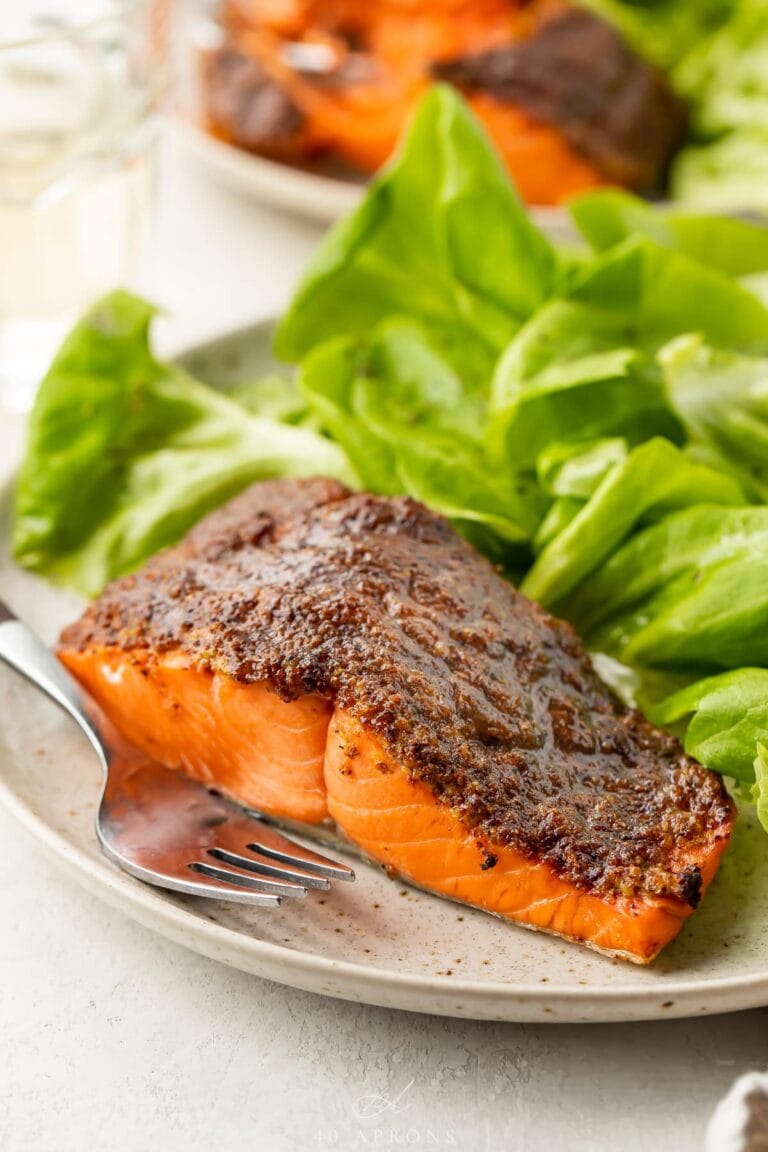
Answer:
(302, 192)
(376, 941)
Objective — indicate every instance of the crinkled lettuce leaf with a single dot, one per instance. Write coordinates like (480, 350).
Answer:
(688, 591)
(657, 293)
(728, 719)
(566, 377)
(652, 479)
(609, 217)
(728, 173)
(585, 366)
(574, 471)
(726, 75)
(125, 453)
(571, 473)
(722, 399)
(409, 426)
(760, 790)
(725, 79)
(441, 237)
(277, 396)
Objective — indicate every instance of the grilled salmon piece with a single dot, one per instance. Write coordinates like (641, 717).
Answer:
(344, 659)
(397, 821)
(565, 100)
(241, 738)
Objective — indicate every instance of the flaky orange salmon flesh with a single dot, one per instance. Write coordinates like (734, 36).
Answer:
(346, 661)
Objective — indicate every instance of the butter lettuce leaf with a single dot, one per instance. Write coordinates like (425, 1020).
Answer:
(688, 591)
(567, 378)
(726, 75)
(760, 792)
(610, 217)
(728, 173)
(441, 237)
(728, 719)
(657, 292)
(409, 426)
(653, 479)
(586, 365)
(125, 453)
(277, 396)
(575, 470)
(725, 79)
(722, 398)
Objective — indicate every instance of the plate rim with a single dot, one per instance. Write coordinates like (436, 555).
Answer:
(311, 195)
(112, 881)
(181, 924)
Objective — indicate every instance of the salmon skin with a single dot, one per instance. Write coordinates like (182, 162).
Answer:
(346, 661)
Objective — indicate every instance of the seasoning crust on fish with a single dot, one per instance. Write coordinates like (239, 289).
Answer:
(414, 680)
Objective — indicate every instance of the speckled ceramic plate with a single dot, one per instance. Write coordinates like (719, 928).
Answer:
(314, 195)
(375, 941)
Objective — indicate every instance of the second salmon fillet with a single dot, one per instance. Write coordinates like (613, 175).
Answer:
(342, 659)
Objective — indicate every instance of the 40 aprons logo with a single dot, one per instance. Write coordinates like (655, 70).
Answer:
(380, 1103)
(378, 1124)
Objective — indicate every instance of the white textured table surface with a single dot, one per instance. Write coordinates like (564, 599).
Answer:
(113, 1039)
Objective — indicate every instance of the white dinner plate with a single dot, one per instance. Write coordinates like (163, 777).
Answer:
(376, 940)
(313, 195)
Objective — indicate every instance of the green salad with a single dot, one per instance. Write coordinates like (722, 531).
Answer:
(595, 421)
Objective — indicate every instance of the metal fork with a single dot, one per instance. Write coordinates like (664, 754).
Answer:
(161, 826)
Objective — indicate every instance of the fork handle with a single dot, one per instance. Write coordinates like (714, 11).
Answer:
(25, 652)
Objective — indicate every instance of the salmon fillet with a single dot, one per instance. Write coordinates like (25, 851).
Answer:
(346, 661)
(565, 100)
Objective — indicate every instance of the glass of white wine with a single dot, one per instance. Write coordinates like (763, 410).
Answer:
(80, 82)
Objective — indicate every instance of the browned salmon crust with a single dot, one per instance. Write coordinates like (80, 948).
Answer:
(377, 604)
(576, 73)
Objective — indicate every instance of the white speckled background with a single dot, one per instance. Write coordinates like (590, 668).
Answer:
(116, 1039)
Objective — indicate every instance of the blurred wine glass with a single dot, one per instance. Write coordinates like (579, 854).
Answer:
(80, 82)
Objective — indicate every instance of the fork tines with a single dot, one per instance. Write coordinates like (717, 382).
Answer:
(267, 870)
